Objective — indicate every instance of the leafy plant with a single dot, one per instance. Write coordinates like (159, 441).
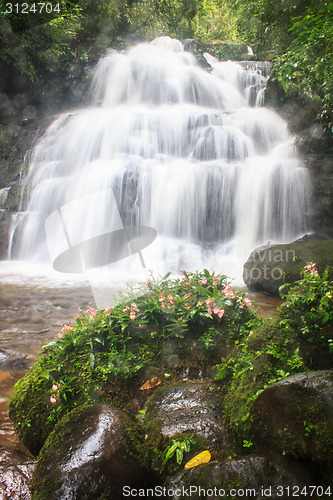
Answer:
(178, 447)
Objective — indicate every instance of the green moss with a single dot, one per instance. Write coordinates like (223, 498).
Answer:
(269, 354)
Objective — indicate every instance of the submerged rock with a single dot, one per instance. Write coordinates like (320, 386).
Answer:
(256, 477)
(88, 456)
(295, 417)
(12, 360)
(270, 266)
(16, 471)
(192, 408)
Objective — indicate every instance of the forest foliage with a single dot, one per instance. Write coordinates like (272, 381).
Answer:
(297, 34)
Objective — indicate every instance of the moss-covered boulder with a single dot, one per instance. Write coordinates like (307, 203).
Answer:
(295, 417)
(268, 354)
(269, 267)
(88, 456)
(253, 476)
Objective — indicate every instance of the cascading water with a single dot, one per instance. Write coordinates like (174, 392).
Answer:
(187, 152)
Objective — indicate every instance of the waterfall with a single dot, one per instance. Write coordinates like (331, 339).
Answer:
(188, 152)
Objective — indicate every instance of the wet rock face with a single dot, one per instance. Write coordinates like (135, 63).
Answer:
(86, 457)
(192, 408)
(258, 477)
(295, 417)
(15, 475)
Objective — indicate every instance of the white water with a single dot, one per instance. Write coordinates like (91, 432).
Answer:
(183, 152)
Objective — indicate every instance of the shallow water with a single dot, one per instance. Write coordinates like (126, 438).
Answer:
(31, 315)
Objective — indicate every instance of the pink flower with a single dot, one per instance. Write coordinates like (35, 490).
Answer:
(220, 313)
(311, 269)
(107, 311)
(203, 281)
(214, 283)
(54, 387)
(132, 315)
(247, 302)
(65, 329)
(216, 310)
(53, 398)
(228, 292)
(92, 312)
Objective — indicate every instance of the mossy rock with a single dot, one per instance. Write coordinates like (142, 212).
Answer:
(295, 417)
(269, 267)
(29, 407)
(268, 354)
(88, 456)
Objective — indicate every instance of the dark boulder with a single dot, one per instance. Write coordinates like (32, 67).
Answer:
(16, 471)
(295, 417)
(191, 408)
(88, 456)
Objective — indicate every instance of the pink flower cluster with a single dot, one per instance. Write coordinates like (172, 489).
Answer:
(107, 311)
(166, 301)
(133, 309)
(228, 292)
(92, 312)
(212, 308)
(203, 282)
(244, 302)
(311, 269)
(65, 329)
(55, 396)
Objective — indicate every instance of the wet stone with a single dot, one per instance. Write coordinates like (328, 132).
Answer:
(295, 417)
(191, 408)
(16, 471)
(88, 456)
(255, 477)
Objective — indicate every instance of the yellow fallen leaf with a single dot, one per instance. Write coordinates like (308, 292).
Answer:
(150, 384)
(202, 458)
